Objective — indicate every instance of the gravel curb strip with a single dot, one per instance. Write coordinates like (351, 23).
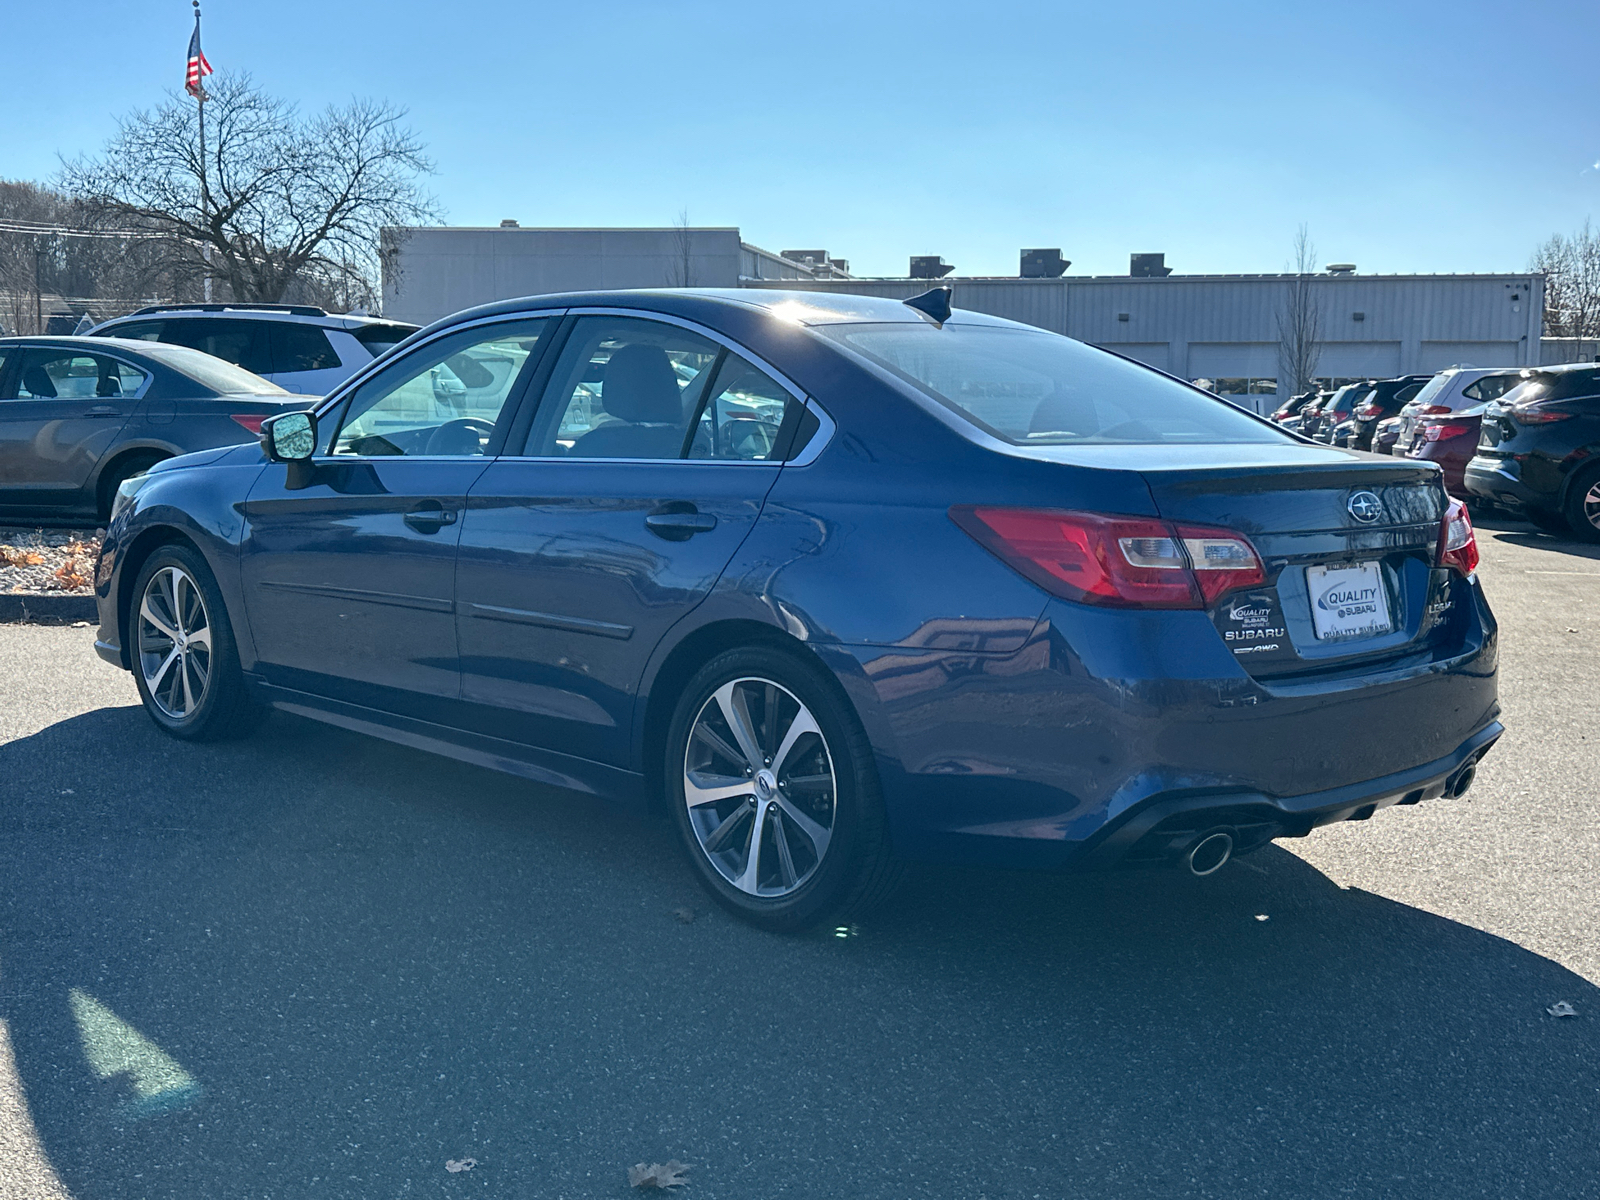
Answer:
(24, 607)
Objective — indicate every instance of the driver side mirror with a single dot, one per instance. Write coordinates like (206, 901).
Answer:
(289, 437)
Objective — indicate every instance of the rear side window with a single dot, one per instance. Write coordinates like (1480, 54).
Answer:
(233, 339)
(220, 377)
(1040, 389)
(139, 331)
(1490, 387)
(301, 348)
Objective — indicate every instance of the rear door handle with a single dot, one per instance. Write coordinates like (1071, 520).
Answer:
(105, 410)
(678, 521)
(430, 518)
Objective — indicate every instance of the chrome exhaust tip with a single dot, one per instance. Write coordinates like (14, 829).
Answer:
(1210, 854)
(1460, 784)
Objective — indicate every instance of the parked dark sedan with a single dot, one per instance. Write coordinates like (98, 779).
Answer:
(837, 581)
(1539, 449)
(79, 415)
(1385, 400)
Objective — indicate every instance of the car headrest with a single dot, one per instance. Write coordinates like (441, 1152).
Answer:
(640, 385)
(38, 382)
(1060, 414)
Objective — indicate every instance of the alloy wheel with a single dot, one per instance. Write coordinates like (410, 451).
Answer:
(174, 643)
(1591, 505)
(758, 780)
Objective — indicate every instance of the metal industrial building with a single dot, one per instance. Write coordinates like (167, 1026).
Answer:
(1219, 328)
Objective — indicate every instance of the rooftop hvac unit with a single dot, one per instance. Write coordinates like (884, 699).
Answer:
(809, 258)
(929, 266)
(1043, 264)
(1148, 266)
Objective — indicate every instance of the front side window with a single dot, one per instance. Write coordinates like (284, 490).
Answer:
(66, 375)
(443, 398)
(624, 387)
(1040, 389)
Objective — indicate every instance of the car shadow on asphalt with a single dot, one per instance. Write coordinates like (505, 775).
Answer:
(314, 963)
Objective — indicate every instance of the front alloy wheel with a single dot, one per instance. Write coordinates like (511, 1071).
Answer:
(759, 787)
(174, 643)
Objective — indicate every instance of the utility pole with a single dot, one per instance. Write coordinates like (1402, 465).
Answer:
(205, 193)
(38, 295)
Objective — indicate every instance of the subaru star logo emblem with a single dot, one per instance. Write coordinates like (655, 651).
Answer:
(1364, 506)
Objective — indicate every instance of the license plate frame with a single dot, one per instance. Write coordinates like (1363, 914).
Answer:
(1349, 601)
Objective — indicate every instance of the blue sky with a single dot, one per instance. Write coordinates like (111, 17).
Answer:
(1407, 136)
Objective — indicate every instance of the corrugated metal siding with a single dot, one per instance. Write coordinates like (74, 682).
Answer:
(1399, 312)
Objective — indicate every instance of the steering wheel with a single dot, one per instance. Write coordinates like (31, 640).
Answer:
(451, 437)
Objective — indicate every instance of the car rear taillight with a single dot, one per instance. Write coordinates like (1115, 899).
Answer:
(1458, 544)
(251, 421)
(1433, 410)
(1532, 415)
(1443, 433)
(1115, 561)
(1368, 411)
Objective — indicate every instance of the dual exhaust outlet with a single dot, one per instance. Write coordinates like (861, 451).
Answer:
(1212, 849)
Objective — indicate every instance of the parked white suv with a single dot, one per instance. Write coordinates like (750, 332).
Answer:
(297, 346)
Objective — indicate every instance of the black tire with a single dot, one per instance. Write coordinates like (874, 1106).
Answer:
(855, 870)
(1548, 520)
(114, 475)
(224, 708)
(1582, 509)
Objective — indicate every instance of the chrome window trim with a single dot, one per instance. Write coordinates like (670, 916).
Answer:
(373, 365)
(376, 364)
(808, 455)
(149, 375)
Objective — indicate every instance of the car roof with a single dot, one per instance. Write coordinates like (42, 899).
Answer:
(293, 314)
(799, 307)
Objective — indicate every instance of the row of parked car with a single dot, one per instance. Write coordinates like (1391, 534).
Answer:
(1526, 439)
(81, 414)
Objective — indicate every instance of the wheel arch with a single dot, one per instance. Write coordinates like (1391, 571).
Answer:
(692, 652)
(152, 452)
(139, 550)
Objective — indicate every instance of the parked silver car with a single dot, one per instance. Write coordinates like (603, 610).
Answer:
(299, 347)
(79, 415)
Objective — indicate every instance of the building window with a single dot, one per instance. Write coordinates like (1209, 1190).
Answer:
(1240, 386)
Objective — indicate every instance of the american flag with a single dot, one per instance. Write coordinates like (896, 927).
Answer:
(198, 66)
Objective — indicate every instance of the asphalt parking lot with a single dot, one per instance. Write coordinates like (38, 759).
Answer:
(312, 964)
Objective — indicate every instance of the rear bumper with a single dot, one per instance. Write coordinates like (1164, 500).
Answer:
(1165, 828)
(1500, 480)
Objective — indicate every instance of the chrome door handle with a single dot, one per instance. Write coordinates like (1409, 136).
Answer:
(105, 410)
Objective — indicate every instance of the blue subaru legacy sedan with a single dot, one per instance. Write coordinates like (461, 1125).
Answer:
(834, 582)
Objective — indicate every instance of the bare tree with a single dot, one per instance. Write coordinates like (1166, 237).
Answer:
(1300, 319)
(681, 272)
(281, 204)
(1571, 265)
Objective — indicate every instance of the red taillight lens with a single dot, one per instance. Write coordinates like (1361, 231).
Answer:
(1368, 411)
(1458, 544)
(1538, 416)
(1443, 433)
(1115, 561)
(251, 421)
(1433, 410)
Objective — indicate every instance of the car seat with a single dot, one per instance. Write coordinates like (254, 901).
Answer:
(640, 389)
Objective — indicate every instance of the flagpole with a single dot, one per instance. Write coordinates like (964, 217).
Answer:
(205, 194)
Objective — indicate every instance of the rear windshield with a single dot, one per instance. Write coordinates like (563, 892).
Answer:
(1553, 385)
(221, 377)
(1039, 389)
(378, 337)
(1434, 386)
